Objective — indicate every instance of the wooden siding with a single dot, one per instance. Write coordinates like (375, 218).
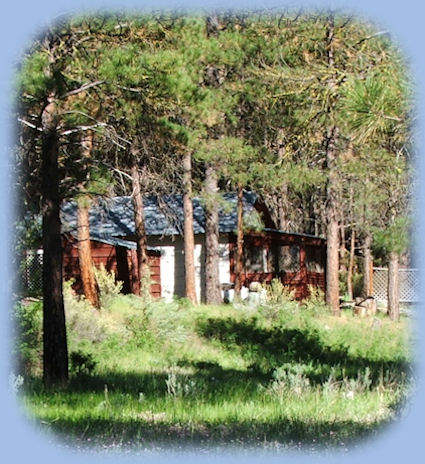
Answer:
(116, 259)
(298, 281)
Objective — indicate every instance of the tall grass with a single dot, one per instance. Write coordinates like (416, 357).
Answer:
(151, 374)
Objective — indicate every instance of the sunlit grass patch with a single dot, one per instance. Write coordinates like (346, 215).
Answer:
(220, 375)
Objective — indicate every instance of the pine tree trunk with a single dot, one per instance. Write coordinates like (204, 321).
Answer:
(55, 351)
(393, 287)
(90, 287)
(342, 248)
(189, 239)
(239, 243)
(139, 224)
(367, 266)
(212, 249)
(332, 277)
(351, 265)
(282, 201)
(282, 216)
(283, 225)
(332, 228)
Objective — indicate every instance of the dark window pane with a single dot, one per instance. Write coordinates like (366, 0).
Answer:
(254, 259)
(315, 259)
(287, 258)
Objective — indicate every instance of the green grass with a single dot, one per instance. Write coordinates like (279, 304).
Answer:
(173, 375)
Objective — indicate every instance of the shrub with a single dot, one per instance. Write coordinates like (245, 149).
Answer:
(145, 286)
(290, 377)
(279, 300)
(315, 303)
(109, 287)
(82, 362)
(168, 321)
(27, 321)
(138, 326)
(180, 385)
(82, 319)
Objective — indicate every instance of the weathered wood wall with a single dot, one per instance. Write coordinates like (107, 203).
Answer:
(118, 259)
(299, 280)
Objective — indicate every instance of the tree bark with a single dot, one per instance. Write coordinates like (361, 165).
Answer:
(367, 266)
(189, 239)
(351, 265)
(90, 288)
(239, 243)
(332, 228)
(282, 201)
(342, 247)
(393, 287)
(139, 224)
(212, 249)
(332, 278)
(55, 351)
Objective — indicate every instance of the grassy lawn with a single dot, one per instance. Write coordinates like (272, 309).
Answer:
(163, 375)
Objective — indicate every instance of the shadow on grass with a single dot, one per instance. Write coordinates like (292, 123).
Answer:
(264, 349)
(268, 348)
(277, 434)
(210, 380)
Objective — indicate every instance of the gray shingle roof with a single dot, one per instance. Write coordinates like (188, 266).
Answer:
(112, 219)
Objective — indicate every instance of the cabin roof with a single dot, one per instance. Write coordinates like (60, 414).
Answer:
(113, 219)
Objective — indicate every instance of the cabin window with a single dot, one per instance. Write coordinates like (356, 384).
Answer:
(286, 258)
(289, 258)
(314, 259)
(255, 259)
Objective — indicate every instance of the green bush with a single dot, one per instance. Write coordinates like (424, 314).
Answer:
(290, 377)
(145, 286)
(82, 362)
(315, 303)
(138, 326)
(279, 302)
(168, 322)
(180, 385)
(109, 287)
(27, 323)
(83, 321)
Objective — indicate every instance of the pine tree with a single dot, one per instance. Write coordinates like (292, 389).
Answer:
(378, 108)
(51, 80)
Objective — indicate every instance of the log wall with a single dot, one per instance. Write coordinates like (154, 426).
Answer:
(116, 259)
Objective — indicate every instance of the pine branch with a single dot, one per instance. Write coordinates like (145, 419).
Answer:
(82, 88)
(29, 124)
(82, 128)
(371, 37)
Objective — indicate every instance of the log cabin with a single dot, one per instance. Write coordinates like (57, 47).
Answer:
(298, 260)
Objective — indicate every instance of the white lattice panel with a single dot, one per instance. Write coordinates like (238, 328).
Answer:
(409, 285)
(380, 284)
(408, 281)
